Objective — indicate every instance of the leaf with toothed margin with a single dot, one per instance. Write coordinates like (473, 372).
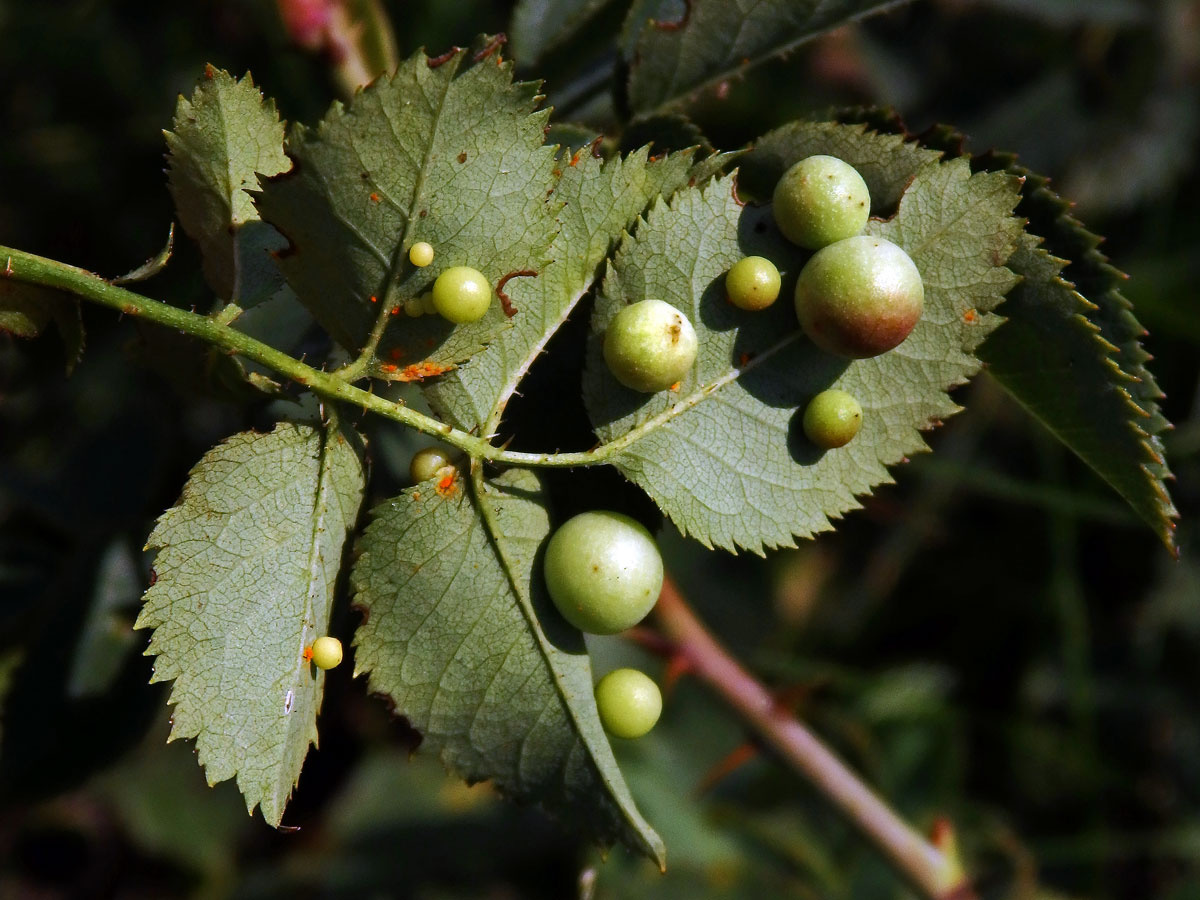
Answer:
(246, 569)
(224, 136)
(1071, 350)
(1112, 421)
(600, 199)
(461, 637)
(678, 48)
(724, 455)
(446, 150)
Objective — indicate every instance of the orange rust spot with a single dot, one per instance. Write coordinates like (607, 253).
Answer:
(970, 316)
(462, 157)
(420, 371)
(446, 486)
(374, 197)
(210, 70)
(388, 367)
(416, 495)
(674, 387)
(557, 172)
(374, 299)
(574, 159)
(307, 654)
(395, 310)
(130, 309)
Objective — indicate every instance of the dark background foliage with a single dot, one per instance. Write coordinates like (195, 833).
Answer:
(994, 639)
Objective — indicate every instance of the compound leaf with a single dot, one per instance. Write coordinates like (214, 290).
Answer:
(724, 455)
(460, 636)
(710, 40)
(600, 200)
(247, 563)
(443, 151)
(223, 138)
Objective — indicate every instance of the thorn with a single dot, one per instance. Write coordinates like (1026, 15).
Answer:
(737, 758)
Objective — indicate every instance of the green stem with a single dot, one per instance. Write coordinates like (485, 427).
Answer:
(31, 269)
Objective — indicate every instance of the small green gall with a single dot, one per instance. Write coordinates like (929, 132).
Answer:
(650, 345)
(821, 200)
(629, 703)
(752, 283)
(603, 571)
(859, 297)
(832, 419)
(462, 294)
(420, 254)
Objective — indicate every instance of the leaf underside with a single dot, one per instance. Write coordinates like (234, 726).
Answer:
(599, 201)
(247, 563)
(1071, 351)
(460, 636)
(447, 152)
(673, 59)
(224, 136)
(724, 455)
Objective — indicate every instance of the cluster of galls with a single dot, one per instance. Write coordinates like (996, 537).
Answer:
(857, 296)
(460, 294)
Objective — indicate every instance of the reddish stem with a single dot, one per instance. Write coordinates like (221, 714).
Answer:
(937, 875)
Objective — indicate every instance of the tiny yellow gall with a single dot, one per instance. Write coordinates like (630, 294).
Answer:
(420, 254)
(326, 652)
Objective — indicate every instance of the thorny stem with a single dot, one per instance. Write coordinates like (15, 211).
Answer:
(32, 269)
(361, 366)
(935, 874)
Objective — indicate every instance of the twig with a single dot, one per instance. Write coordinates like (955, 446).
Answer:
(935, 874)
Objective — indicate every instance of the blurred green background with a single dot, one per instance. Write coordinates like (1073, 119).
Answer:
(994, 639)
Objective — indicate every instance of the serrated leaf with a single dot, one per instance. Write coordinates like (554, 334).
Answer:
(724, 456)
(440, 152)
(247, 563)
(712, 39)
(224, 136)
(1051, 358)
(1113, 343)
(600, 200)
(462, 639)
(538, 25)
(1106, 410)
